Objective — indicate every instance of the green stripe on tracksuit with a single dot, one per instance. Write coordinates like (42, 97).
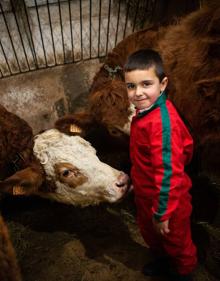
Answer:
(166, 158)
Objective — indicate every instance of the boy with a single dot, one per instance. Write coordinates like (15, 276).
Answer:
(160, 147)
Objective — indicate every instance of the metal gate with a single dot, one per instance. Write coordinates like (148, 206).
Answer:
(38, 34)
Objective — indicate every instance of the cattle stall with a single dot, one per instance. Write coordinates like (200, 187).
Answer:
(50, 52)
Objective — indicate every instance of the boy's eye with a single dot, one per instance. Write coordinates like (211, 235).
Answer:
(146, 83)
(130, 86)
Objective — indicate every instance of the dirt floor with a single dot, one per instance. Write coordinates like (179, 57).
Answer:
(65, 243)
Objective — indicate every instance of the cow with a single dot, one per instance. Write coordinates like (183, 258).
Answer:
(111, 147)
(51, 165)
(190, 50)
(55, 166)
(16, 144)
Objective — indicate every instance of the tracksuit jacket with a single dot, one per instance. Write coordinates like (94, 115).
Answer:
(160, 148)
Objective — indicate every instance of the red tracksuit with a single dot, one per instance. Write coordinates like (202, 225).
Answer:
(160, 148)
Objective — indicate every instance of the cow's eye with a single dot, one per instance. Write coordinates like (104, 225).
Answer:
(114, 132)
(66, 173)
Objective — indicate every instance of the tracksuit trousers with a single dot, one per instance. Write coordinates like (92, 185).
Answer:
(176, 245)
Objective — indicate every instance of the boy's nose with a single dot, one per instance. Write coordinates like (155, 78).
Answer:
(139, 92)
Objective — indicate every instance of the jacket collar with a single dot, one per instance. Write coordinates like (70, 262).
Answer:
(161, 100)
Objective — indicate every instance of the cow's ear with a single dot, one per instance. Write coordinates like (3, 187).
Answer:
(74, 124)
(24, 182)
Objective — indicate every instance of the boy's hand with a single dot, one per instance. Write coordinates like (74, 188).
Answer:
(161, 227)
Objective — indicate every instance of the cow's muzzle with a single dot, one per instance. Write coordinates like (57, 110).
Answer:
(123, 181)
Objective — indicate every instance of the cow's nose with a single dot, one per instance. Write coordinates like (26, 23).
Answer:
(122, 181)
(120, 184)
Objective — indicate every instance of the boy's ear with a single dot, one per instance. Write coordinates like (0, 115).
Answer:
(164, 83)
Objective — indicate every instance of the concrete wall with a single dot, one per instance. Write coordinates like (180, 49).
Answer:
(40, 97)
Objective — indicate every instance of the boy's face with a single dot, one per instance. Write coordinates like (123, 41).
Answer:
(144, 87)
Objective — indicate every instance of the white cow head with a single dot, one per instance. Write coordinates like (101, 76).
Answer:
(72, 172)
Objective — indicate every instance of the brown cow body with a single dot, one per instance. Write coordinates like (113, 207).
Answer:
(191, 53)
(16, 144)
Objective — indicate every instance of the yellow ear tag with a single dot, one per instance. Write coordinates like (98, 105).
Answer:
(18, 190)
(75, 129)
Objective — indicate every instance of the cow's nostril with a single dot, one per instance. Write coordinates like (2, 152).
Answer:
(120, 184)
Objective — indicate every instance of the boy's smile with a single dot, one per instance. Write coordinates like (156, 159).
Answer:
(144, 87)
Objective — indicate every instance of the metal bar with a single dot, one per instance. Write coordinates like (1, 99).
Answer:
(90, 28)
(109, 14)
(61, 27)
(51, 32)
(71, 28)
(41, 35)
(121, 25)
(5, 57)
(153, 9)
(100, 12)
(126, 18)
(22, 42)
(119, 10)
(81, 35)
(44, 67)
(146, 13)
(6, 24)
(135, 17)
(31, 44)
(1, 73)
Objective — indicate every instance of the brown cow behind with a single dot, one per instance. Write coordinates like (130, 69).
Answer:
(191, 53)
(16, 148)
(16, 152)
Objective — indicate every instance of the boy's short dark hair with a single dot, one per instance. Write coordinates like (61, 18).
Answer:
(144, 59)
